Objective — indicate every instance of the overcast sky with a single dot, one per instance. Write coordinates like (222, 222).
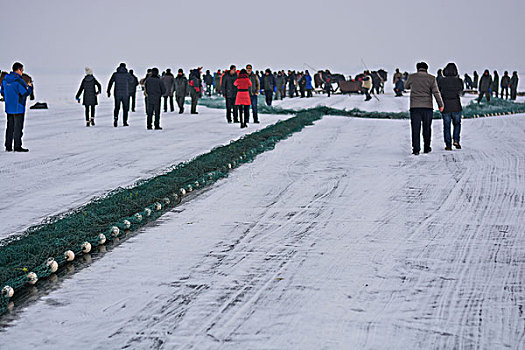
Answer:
(66, 35)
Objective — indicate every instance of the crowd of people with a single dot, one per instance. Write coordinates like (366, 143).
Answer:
(241, 88)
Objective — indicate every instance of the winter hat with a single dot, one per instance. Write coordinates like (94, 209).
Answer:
(180, 70)
(89, 71)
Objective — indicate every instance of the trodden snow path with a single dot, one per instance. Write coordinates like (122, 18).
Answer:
(337, 239)
(69, 163)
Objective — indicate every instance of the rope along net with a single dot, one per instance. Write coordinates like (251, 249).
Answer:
(495, 107)
(43, 248)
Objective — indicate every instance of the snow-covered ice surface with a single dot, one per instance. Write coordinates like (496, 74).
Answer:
(337, 239)
(68, 163)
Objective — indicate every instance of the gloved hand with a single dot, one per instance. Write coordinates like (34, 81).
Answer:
(109, 94)
(78, 100)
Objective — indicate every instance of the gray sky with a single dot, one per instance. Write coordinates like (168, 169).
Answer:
(66, 35)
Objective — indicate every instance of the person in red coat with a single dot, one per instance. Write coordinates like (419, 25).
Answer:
(243, 84)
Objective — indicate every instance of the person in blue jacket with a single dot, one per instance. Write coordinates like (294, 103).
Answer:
(15, 91)
(309, 87)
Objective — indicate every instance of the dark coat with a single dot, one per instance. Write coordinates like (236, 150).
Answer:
(280, 80)
(121, 78)
(208, 79)
(451, 88)
(268, 82)
(485, 83)
(514, 82)
(133, 83)
(154, 88)
(195, 83)
(505, 81)
(182, 88)
(495, 82)
(168, 80)
(91, 87)
(228, 88)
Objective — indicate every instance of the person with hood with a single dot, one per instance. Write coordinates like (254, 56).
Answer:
(242, 100)
(291, 83)
(505, 84)
(154, 89)
(484, 86)
(15, 92)
(134, 82)
(268, 85)
(514, 85)
(91, 88)
(451, 88)
(422, 87)
(195, 84)
(208, 82)
(366, 85)
(309, 87)
(254, 91)
(169, 81)
(121, 79)
(229, 91)
(495, 84)
(468, 82)
(182, 89)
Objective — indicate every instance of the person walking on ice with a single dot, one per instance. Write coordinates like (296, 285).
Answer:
(91, 88)
(422, 87)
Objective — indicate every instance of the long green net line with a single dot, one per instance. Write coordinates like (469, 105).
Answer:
(496, 106)
(42, 249)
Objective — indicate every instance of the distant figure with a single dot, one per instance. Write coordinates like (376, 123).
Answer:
(217, 81)
(475, 80)
(422, 87)
(15, 92)
(195, 83)
(134, 82)
(366, 84)
(399, 87)
(154, 89)
(182, 89)
(242, 100)
(484, 86)
(495, 84)
(439, 75)
(514, 85)
(229, 91)
(451, 88)
(505, 85)
(280, 82)
(208, 82)
(309, 87)
(91, 88)
(468, 82)
(121, 79)
(291, 83)
(397, 76)
(169, 81)
(254, 91)
(268, 85)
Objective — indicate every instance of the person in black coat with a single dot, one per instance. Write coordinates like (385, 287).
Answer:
(133, 83)
(399, 87)
(495, 84)
(468, 82)
(121, 79)
(181, 89)
(514, 85)
(475, 80)
(91, 88)
(451, 88)
(229, 91)
(485, 83)
(154, 89)
(208, 82)
(195, 83)
(505, 84)
(268, 85)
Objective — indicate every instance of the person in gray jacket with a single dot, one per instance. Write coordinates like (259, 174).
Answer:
(422, 87)
(485, 83)
(181, 89)
(154, 90)
(168, 80)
